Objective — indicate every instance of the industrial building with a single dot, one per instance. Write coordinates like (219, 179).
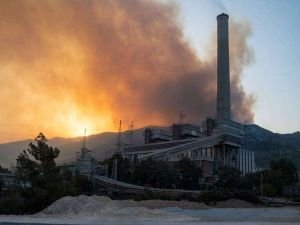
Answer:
(217, 142)
(85, 164)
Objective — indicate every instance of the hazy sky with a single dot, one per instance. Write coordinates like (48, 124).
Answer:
(274, 76)
(69, 65)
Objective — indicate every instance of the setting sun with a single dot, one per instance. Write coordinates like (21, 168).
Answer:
(75, 124)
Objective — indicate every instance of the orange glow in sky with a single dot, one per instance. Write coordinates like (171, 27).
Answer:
(70, 65)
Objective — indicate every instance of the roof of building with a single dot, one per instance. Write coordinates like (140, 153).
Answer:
(156, 146)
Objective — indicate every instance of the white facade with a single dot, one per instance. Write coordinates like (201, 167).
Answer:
(247, 161)
(84, 164)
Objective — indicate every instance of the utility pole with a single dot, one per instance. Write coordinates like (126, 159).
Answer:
(131, 133)
(182, 115)
(261, 183)
(84, 140)
(119, 146)
(115, 169)
(119, 142)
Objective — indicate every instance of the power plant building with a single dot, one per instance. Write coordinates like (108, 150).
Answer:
(84, 161)
(218, 142)
(86, 165)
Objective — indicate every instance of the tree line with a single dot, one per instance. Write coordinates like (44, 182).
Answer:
(184, 174)
(39, 182)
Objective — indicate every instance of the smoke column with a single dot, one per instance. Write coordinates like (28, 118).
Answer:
(69, 65)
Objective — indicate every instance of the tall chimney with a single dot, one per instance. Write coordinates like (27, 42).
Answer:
(223, 89)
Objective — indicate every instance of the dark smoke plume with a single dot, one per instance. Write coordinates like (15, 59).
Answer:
(70, 64)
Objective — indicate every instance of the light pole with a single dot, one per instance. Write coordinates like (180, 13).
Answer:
(261, 183)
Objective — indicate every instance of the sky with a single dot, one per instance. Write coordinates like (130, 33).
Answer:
(70, 65)
(274, 75)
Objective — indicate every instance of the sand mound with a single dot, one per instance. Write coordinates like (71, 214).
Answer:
(77, 205)
(100, 204)
(103, 207)
(234, 203)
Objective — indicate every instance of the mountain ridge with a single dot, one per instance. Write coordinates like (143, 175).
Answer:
(265, 143)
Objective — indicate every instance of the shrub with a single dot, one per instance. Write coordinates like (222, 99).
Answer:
(296, 198)
(12, 205)
(248, 196)
(214, 196)
(269, 190)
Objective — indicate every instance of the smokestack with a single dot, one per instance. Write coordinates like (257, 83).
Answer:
(223, 89)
